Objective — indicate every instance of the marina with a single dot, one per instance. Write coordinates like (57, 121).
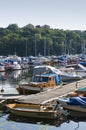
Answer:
(39, 98)
(43, 65)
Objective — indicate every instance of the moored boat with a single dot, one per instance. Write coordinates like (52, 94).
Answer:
(32, 110)
(81, 91)
(74, 104)
(64, 76)
(39, 83)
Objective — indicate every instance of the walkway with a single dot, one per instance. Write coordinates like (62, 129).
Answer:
(43, 97)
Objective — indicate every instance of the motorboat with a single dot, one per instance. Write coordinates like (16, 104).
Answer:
(74, 105)
(39, 83)
(64, 76)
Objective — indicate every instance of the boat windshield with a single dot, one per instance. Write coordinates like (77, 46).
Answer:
(40, 79)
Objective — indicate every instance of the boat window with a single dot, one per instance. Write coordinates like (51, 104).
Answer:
(45, 79)
(36, 79)
(40, 79)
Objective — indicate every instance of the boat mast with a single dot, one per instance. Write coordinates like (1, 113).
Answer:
(44, 47)
(35, 46)
(26, 48)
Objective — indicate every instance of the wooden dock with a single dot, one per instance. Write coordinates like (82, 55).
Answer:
(9, 96)
(44, 97)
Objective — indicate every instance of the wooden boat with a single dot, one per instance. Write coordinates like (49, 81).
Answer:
(76, 104)
(78, 92)
(81, 91)
(40, 83)
(32, 110)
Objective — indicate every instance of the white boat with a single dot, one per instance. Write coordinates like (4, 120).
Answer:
(12, 62)
(78, 69)
(76, 104)
(64, 76)
(13, 66)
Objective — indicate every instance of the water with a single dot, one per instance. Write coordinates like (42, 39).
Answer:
(11, 122)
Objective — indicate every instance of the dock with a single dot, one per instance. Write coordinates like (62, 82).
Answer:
(44, 97)
(10, 96)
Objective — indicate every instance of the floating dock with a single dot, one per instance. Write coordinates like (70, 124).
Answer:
(50, 95)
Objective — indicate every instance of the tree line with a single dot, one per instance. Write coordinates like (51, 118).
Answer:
(35, 40)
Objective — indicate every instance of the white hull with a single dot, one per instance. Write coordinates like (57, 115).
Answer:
(77, 108)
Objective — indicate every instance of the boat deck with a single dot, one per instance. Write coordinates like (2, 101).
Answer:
(50, 95)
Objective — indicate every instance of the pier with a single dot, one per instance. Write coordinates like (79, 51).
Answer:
(43, 97)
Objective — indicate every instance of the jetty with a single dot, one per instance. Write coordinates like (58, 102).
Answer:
(50, 95)
(46, 96)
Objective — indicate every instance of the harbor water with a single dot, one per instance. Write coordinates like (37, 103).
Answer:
(8, 83)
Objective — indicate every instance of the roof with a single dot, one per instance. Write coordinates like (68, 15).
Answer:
(46, 75)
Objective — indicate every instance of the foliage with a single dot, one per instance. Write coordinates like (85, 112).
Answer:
(24, 41)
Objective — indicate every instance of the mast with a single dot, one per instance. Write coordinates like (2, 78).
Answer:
(35, 46)
(44, 47)
(26, 48)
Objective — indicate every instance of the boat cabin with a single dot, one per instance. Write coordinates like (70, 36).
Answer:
(50, 79)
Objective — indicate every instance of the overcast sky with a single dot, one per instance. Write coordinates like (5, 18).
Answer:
(59, 14)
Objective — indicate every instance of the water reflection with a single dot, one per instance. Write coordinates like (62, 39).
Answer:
(14, 74)
(9, 80)
(2, 113)
(56, 122)
(77, 126)
(41, 121)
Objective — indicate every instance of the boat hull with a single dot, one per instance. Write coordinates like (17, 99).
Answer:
(73, 109)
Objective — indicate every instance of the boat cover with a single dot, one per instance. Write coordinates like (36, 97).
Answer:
(57, 80)
(81, 89)
(77, 101)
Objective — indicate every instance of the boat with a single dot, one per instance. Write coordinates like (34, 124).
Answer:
(74, 104)
(32, 110)
(81, 91)
(39, 83)
(64, 76)
(78, 92)
(78, 68)
(12, 65)
(12, 62)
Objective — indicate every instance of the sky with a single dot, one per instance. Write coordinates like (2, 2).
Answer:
(58, 14)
